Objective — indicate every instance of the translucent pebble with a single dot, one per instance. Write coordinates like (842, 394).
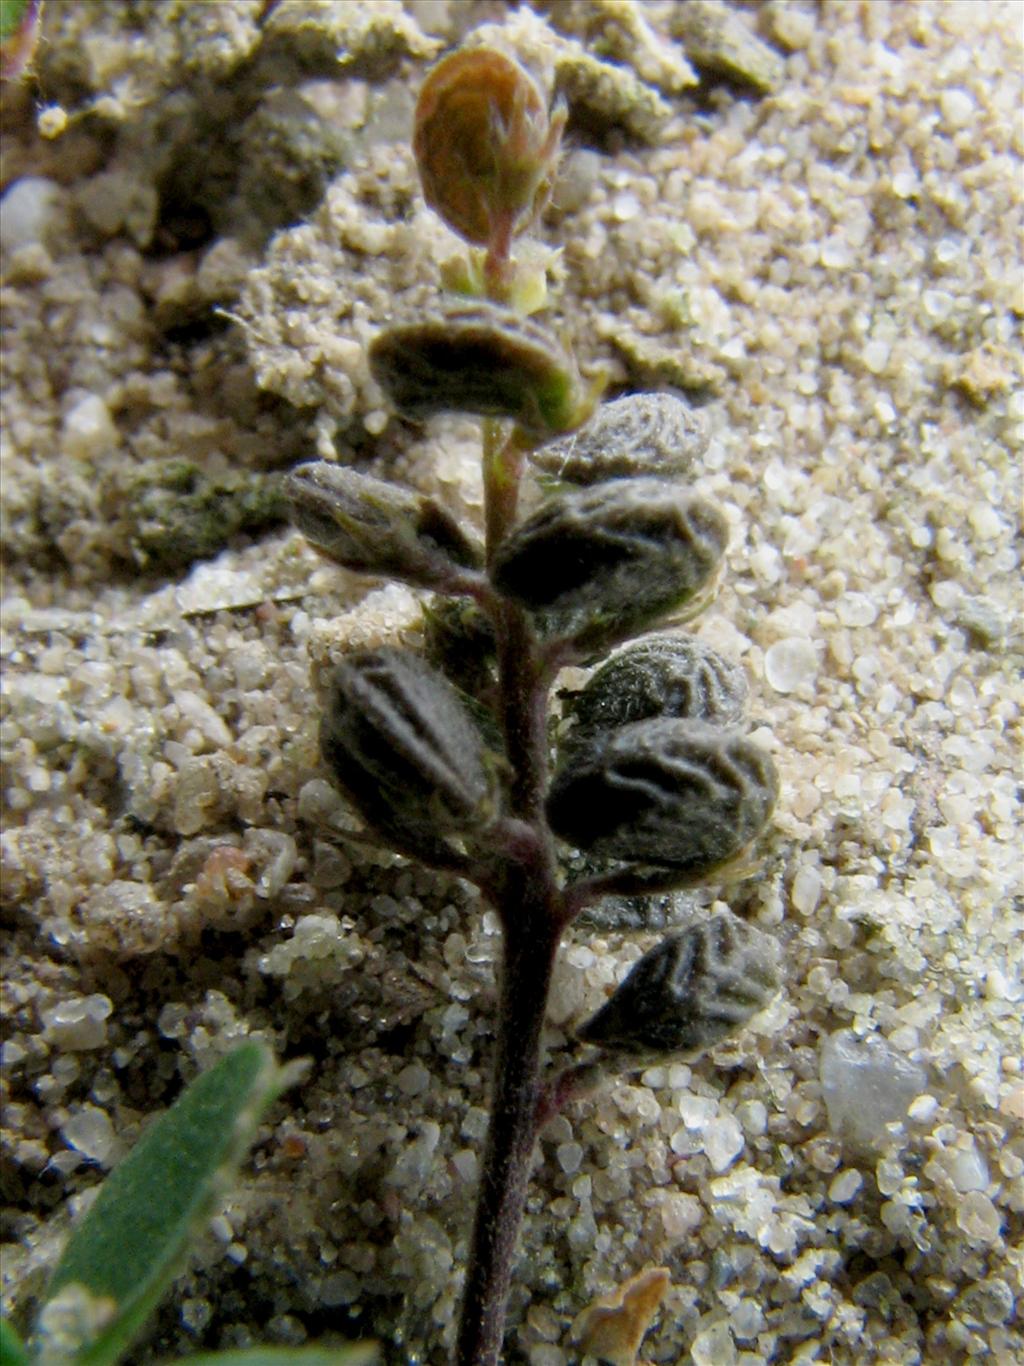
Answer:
(714, 1346)
(413, 1080)
(723, 1142)
(968, 1170)
(956, 107)
(845, 1186)
(978, 1218)
(790, 663)
(569, 1155)
(806, 890)
(90, 1132)
(28, 212)
(876, 356)
(88, 429)
(78, 1024)
(856, 609)
(866, 1085)
(546, 1354)
(340, 1288)
(922, 1109)
(681, 1214)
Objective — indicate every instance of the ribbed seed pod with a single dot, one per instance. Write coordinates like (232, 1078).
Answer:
(689, 991)
(676, 794)
(641, 434)
(595, 565)
(375, 527)
(403, 748)
(661, 675)
(480, 358)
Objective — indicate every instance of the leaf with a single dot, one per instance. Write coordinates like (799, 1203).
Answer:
(358, 1354)
(125, 1252)
(12, 1349)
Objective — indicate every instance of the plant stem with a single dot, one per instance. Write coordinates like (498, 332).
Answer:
(528, 899)
(530, 944)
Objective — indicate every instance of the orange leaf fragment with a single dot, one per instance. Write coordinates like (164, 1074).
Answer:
(613, 1327)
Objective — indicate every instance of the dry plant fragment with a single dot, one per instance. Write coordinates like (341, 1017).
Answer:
(613, 1327)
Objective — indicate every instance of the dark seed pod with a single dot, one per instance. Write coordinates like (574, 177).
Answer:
(375, 527)
(403, 748)
(460, 641)
(689, 991)
(641, 434)
(662, 675)
(484, 359)
(677, 794)
(596, 565)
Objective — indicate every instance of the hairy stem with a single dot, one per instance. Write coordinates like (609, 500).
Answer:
(530, 945)
(526, 894)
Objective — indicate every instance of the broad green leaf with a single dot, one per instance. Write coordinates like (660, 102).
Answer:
(358, 1354)
(132, 1241)
(12, 1349)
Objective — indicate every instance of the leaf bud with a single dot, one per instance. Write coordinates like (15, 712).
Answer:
(485, 146)
(673, 793)
(661, 675)
(596, 565)
(481, 358)
(689, 991)
(375, 527)
(641, 434)
(402, 747)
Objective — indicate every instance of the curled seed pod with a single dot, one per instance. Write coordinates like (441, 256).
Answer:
(480, 358)
(485, 147)
(662, 675)
(677, 794)
(689, 991)
(403, 748)
(641, 434)
(595, 565)
(375, 527)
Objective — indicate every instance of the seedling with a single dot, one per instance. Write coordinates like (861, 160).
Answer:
(123, 1255)
(652, 783)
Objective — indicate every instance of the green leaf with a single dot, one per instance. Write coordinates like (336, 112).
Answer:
(127, 1249)
(12, 1349)
(358, 1354)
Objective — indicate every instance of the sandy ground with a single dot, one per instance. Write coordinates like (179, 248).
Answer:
(822, 247)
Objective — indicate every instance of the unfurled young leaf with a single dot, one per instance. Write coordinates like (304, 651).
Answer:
(639, 435)
(485, 147)
(460, 641)
(125, 1252)
(661, 675)
(676, 794)
(374, 527)
(404, 749)
(596, 565)
(12, 1349)
(357, 1354)
(481, 358)
(689, 991)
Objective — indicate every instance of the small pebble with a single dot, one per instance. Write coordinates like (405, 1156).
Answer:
(790, 663)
